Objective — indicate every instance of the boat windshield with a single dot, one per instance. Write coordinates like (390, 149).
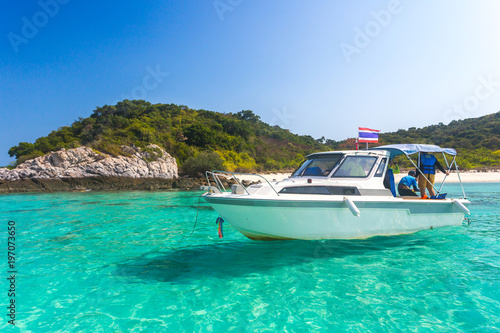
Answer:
(355, 167)
(319, 165)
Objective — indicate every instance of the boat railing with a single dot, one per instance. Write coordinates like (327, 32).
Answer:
(216, 174)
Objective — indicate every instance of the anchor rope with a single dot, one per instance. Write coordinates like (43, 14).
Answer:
(197, 211)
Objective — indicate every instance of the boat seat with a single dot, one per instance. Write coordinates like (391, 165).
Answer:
(314, 171)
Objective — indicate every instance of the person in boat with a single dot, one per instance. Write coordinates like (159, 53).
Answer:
(351, 168)
(426, 173)
(406, 183)
(389, 182)
(394, 167)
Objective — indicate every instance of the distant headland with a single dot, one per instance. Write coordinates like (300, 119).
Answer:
(139, 145)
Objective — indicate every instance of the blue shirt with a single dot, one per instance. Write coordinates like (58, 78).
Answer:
(408, 181)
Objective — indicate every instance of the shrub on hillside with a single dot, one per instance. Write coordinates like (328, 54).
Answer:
(196, 166)
(239, 162)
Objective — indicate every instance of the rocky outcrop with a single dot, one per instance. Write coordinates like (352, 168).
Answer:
(82, 162)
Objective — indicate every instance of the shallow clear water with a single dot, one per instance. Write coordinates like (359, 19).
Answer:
(125, 261)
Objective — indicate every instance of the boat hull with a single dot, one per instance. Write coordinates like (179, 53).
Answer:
(300, 219)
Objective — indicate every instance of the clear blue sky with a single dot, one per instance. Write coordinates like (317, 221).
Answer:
(320, 67)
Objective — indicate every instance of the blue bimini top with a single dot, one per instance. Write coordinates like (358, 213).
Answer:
(411, 148)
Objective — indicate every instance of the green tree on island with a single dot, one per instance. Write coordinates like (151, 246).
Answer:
(241, 140)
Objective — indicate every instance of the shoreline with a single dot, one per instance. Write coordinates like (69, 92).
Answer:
(111, 184)
(99, 183)
(466, 176)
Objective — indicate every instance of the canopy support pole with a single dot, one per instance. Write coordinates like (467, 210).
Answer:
(460, 179)
(449, 169)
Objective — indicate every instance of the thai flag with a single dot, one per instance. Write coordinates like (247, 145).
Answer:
(367, 134)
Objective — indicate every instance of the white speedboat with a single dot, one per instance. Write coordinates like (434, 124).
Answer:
(334, 195)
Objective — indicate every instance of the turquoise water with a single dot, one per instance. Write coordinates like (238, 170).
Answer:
(125, 262)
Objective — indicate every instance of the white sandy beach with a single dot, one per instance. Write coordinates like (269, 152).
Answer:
(467, 177)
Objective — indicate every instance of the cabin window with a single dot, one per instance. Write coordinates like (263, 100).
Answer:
(381, 168)
(355, 167)
(320, 190)
(306, 190)
(319, 165)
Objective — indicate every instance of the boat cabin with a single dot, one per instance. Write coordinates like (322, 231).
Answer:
(339, 173)
(347, 172)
